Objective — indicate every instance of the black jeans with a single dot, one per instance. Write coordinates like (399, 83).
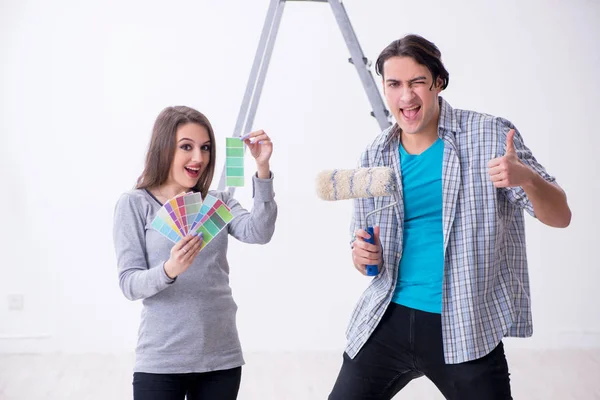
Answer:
(407, 344)
(216, 385)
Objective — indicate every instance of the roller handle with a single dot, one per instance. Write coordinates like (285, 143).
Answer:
(372, 270)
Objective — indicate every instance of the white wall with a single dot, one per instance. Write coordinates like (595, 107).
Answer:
(81, 84)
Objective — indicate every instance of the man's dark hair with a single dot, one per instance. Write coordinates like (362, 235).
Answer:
(419, 49)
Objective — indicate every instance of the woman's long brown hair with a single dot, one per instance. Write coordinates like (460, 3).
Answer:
(162, 148)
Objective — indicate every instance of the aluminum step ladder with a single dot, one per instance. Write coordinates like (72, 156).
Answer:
(262, 58)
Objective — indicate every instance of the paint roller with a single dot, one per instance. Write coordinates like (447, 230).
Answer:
(339, 184)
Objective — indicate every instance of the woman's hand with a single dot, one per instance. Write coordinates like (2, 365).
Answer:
(183, 254)
(261, 148)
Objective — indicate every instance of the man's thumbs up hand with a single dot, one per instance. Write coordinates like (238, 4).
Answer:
(508, 170)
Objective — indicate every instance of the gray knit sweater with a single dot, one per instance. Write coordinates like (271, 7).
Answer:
(187, 324)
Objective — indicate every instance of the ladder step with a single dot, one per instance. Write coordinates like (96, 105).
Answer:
(385, 111)
(365, 60)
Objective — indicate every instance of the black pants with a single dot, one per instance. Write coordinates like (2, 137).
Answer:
(407, 344)
(216, 385)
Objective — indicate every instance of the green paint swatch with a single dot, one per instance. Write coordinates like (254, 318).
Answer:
(234, 162)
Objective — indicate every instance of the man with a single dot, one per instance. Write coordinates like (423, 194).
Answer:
(453, 275)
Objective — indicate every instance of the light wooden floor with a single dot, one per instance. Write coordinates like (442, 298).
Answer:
(543, 375)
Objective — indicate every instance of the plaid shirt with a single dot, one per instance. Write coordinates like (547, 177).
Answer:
(485, 293)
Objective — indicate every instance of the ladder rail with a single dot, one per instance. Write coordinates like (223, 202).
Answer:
(360, 62)
(249, 105)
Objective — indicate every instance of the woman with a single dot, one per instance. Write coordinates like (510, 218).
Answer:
(187, 341)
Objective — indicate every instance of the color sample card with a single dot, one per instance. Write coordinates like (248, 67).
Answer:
(192, 203)
(234, 162)
(207, 205)
(213, 217)
(173, 208)
(171, 219)
(188, 213)
(166, 226)
(183, 210)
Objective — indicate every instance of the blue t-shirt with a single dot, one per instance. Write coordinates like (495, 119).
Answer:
(421, 268)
